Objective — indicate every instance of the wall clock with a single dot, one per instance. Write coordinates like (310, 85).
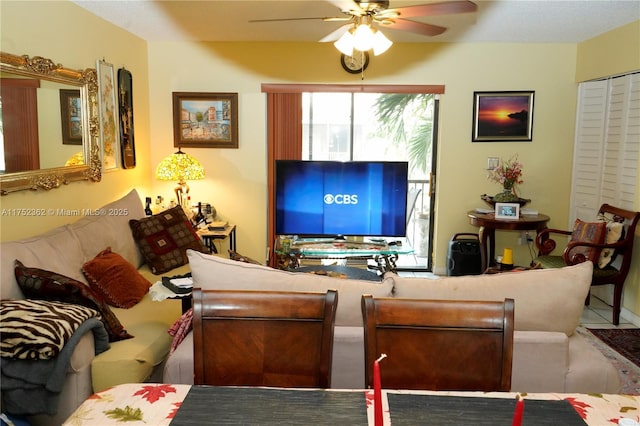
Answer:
(355, 64)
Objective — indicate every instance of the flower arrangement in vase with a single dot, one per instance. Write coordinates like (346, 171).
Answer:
(509, 175)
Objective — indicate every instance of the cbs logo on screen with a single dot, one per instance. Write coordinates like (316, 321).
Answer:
(341, 199)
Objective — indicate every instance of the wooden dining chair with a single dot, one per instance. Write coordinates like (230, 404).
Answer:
(261, 338)
(439, 344)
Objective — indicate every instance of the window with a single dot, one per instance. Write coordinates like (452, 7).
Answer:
(285, 137)
(369, 126)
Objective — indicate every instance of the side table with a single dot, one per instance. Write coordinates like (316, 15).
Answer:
(488, 224)
(159, 293)
(208, 237)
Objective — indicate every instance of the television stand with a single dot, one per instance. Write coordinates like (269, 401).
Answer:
(385, 254)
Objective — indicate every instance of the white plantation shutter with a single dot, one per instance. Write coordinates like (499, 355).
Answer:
(589, 146)
(607, 145)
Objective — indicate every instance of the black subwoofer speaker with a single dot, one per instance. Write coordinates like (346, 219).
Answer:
(463, 257)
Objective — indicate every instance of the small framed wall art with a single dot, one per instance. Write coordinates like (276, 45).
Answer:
(108, 113)
(71, 116)
(507, 211)
(205, 120)
(125, 108)
(502, 116)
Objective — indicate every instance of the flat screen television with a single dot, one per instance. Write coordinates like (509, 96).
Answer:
(339, 199)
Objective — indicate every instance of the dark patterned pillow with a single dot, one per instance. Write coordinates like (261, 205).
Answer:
(164, 238)
(45, 285)
(38, 329)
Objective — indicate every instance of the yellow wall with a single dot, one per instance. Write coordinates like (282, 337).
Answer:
(614, 53)
(69, 35)
(235, 180)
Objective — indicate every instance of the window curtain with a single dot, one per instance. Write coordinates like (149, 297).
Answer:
(284, 143)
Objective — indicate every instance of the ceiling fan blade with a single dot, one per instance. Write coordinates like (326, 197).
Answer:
(444, 8)
(346, 5)
(300, 19)
(415, 27)
(335, 35)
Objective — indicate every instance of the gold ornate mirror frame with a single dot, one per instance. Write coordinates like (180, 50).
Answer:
(87, 81)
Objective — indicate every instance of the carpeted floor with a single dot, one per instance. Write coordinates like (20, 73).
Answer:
(626, 341)
(628, 371)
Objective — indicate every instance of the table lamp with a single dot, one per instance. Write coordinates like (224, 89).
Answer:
(180, 167)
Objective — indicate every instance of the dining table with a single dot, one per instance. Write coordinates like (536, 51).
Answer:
(185, 405)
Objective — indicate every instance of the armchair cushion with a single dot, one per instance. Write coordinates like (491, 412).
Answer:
(613, 235)
(587, 232)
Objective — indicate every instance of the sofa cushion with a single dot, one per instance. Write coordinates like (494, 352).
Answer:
(164, 237)
(545, 299)
(216, 273)
(41, 284)
(38, 329)
(111, 223)
(133, 360)
(115, 279)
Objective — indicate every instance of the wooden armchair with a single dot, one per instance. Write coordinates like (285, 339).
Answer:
(613, 273)
(256, 338)
(439, 344)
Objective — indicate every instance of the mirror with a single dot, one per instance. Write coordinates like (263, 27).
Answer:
(77, 100)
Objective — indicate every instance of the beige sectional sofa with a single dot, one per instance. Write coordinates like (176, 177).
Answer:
(548, 355)
(64, 250)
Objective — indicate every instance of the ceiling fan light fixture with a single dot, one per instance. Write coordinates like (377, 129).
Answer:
(380, 43)
(345, 43)
(363, 39)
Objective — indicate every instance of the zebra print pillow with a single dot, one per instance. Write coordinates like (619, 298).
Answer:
(38, 329)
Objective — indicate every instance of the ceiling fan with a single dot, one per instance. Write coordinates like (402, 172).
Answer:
(361, 12)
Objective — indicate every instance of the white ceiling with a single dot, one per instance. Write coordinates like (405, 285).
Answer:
(519, 21)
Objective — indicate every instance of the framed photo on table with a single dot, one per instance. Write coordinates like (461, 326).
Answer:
(502, 116)
(205, 120)
(507, 211)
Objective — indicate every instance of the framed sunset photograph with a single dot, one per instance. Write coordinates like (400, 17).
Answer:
(502, 116)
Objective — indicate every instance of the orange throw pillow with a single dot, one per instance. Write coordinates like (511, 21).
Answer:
(115, 279)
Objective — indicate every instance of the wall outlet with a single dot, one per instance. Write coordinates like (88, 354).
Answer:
(525, 238)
